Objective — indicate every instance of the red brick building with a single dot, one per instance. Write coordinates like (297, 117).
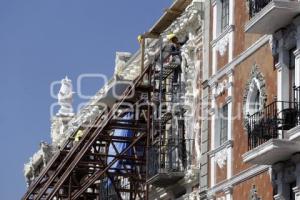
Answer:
(249, 142)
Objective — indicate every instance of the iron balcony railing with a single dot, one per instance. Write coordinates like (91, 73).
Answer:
(173, 156)
(271, 122)
(257, 5)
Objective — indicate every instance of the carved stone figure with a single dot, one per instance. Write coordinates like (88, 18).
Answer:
(120, 62)
(37, 161)
(57, 130)
(65, 98)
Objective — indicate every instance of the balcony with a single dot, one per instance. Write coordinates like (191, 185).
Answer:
(169, 162)
(268, 138)
(268, 16)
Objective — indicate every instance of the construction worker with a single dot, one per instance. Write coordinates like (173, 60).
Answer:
(175, 51)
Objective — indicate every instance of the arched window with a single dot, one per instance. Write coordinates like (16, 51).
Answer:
(254, 102)
(255, 95)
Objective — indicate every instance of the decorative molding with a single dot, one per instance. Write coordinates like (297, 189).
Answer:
(228, 99)
(253, 194)
(221, 157)
(222, 41)
(213, 2)
(297, 53)
(221, 45)
(256, 79)
(188, 23)
(228, 190)
(230, 66)
(238, 178)
(221, 88)
(225, 145)
(192, 196)
(228, 29)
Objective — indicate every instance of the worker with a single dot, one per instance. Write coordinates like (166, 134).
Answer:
(78, 135)
(175, 51)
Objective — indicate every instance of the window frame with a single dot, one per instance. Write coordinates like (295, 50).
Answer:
(224, 14)
(223, 124)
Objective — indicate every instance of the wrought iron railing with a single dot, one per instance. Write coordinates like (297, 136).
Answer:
(271, 122)
(173, 156)
(256, 5)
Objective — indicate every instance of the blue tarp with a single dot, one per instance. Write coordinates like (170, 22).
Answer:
(120, 146)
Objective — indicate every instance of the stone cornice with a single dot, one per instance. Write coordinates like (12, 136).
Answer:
(227, 30)
(226, 145)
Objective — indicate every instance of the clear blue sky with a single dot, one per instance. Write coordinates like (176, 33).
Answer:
(42, 41)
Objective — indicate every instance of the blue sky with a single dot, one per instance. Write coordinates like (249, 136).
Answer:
(42, 41)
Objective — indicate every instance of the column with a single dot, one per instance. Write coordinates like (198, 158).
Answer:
(282, 186)
(215, 31)
(231, 33)
(212, 137)
(282, 75)
(282, 70)
(213, 117)
(230, 121)
(297, 52)
(297, 192)
(296, 160)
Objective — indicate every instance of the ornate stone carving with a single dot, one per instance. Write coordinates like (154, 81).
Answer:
(192, 196)
(188, 23)
(120, 62)
(221, 87)
(253, 194)
(65, 98)
(57, 131)
(221, 45)
(256, 77)
(221, 157)
(37, 161)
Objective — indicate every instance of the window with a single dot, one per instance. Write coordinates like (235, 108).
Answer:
(254, 102)
(225, 14)
(221, 132)
(223, 124)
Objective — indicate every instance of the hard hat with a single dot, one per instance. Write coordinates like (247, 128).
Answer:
(78, 135)
(139, 38)
(171, 36)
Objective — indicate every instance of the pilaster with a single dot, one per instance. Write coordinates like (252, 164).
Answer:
(282, 69)
(297, 51)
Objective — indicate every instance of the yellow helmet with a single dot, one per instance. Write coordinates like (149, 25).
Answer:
(139, 38)
(171, 36)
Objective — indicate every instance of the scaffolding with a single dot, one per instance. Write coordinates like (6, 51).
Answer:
(126, 148)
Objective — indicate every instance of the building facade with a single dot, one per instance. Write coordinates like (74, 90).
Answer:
(237, 134)
(253, 88)
(173, 161)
